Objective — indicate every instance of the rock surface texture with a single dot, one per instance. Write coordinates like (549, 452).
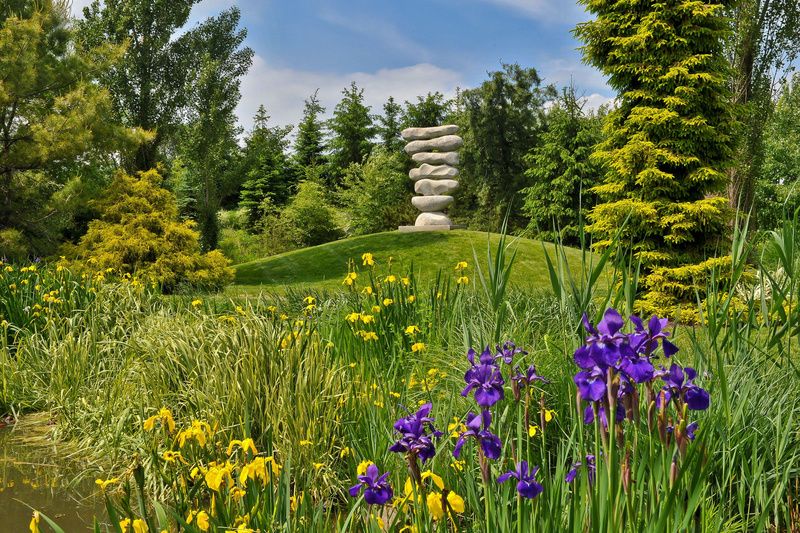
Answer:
(434, 149)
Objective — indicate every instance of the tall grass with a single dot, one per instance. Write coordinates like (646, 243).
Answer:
(317, 385)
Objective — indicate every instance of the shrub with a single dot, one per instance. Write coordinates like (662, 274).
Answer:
(309, 217)
(138, 232)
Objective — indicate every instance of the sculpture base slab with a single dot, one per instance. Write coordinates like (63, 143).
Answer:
(433, 227)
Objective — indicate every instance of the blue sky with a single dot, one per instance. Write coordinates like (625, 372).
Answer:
(402, 48)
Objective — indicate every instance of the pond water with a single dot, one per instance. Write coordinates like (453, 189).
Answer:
(33, 476)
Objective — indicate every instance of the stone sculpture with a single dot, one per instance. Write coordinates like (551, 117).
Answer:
(434, 150)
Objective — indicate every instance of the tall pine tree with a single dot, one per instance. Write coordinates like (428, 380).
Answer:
(352, 131)
(309, 147)
(389, 129)
(668, 142)
(270, 176)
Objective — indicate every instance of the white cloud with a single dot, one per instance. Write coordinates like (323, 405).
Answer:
(594, 101)
(283, 90)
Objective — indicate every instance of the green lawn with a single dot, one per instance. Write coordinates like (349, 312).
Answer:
(324, 266)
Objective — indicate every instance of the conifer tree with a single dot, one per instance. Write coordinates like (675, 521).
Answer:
(270, 177)
(309, 147)
(668, 142)
(389, 128)
(429, 110)
(562, 170)
(352, 131)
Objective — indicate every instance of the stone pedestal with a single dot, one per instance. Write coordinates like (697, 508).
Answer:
(434, 149)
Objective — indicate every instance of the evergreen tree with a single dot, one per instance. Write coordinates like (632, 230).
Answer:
(54, 118)
(309, 147)
(270, 177)
(429, 111)
(668, 142)
(389, 128)
(138, 232)
(501, 121)
(561, 170)
(352, 131)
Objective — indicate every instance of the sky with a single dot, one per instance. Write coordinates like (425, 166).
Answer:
(400, 48)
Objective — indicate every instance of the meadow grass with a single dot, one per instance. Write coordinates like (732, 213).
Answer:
(318, 379)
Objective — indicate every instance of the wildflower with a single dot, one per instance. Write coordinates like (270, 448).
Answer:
(461, 265)
(361, 469)
(406, 281)
(418, 347)
(507, 351)
(350, 279)
(415, 439)
(379, 521)
(345, 452)
(140, 526)
(34, 525)
(200, 518)
(485, 378)
(533, 430)
(367, 290)
(457, 465)
(377, 490)
(125, 525)
(257, 469)
(237, 493)
(367, 319)
(436, 504)
(367, 259)
(353, 317)
(549, 414)
(376, 308)
(456, 427)
(305, 443)
(527, 486)
(197, 303)
(170, 457)
(411, 299)
(164, 416)
(412, 330)
(478, 428)
(216, 475)
(198, 432)
(370, 336)
(104, 483)
(590, 468)
(462, 280)
(245, 445)
(678, 384)
(309, 300)
(317, 466)
(391, 278)
(387, 302)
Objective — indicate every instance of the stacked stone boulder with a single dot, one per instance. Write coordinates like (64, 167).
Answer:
(434, 149)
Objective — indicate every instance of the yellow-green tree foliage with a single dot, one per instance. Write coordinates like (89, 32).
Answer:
(668, 142)
(52, 113)
(138, 232)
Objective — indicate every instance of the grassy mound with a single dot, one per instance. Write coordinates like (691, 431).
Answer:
(324, 266)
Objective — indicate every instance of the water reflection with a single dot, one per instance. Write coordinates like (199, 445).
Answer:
(31, 475)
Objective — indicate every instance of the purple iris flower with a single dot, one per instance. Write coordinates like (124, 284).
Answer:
(507, 351)
(527, 486)
(478, 427)
(605, 345)
(486, 357)
(646, 342)
(377, 490)
(639, 369)
(690, 429)
(591, 384)
(488, 383)
(590, 468)
(528, 378)
(678, 384)
(415, 434)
